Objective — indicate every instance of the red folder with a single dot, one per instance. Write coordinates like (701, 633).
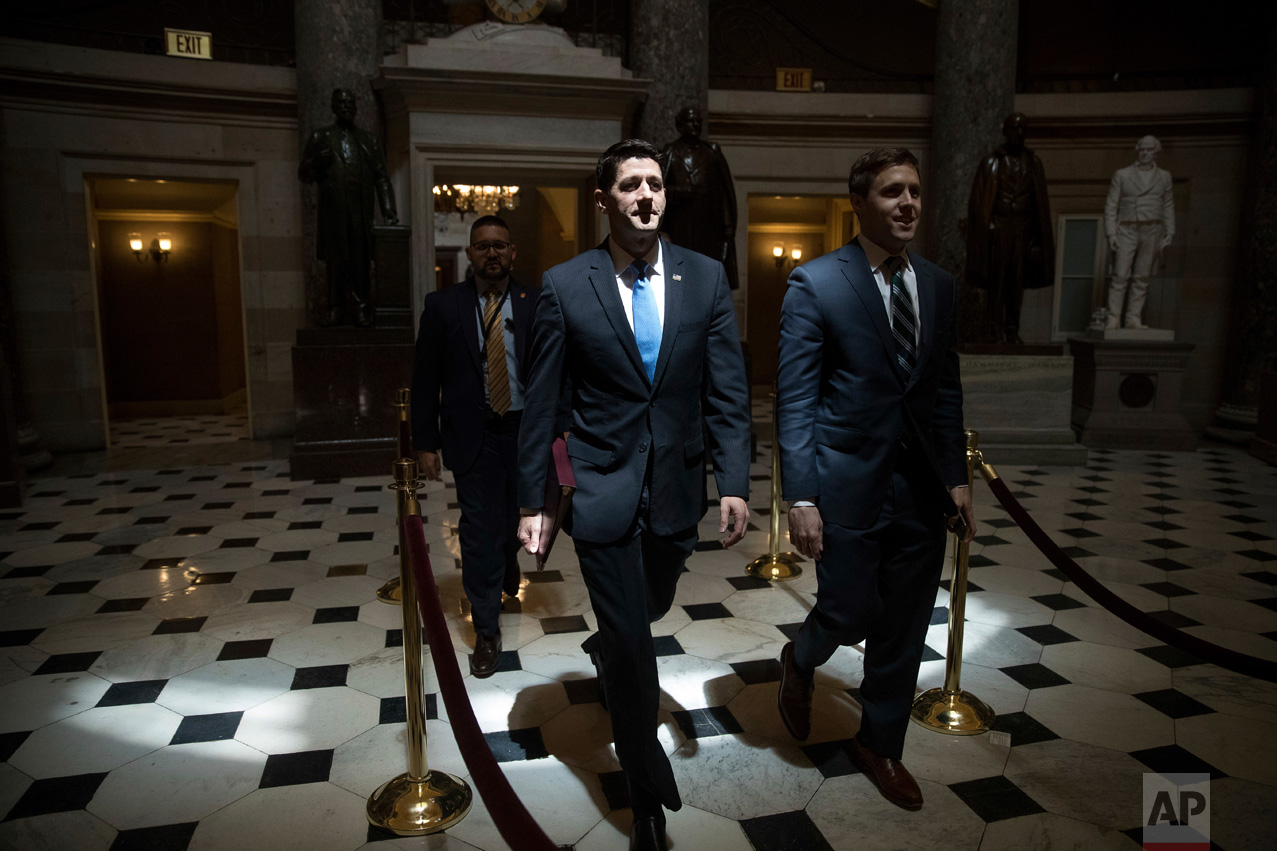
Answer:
(560, 484)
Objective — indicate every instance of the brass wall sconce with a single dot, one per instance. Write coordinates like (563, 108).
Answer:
(159, 250)
(795, 254)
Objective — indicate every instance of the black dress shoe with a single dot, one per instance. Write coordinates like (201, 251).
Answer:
(598, 675)
(793, 698)
(648, 834)
(487, 650)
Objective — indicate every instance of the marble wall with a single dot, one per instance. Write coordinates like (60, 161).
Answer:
(70, 114)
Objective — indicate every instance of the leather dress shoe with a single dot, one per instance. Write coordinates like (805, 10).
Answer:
(793, 698)
(598, 674)
(890, 776)
(648, 834)
(487, 650)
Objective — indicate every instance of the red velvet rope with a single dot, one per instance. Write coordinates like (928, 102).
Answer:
(513, 821)
(1206, 651)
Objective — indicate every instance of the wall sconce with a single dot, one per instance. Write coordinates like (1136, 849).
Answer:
(159, 250)
(795, 254)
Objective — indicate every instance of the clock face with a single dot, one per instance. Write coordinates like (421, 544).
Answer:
(516, 11)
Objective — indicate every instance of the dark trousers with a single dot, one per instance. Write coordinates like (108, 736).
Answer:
(632, 583)
(878, 585)
(490, 522)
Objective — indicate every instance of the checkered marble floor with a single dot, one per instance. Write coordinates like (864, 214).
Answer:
(195, 659)
(143, 432)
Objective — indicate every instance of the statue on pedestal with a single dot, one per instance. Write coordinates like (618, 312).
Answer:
(700, 212)
(349, 167)
(1139, 220)
(1010, 245)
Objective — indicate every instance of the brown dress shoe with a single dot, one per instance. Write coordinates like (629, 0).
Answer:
(890, 776)
(793, 698)
(483, 661)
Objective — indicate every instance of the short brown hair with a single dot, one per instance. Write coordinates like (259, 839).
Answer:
(865, 169)
(610, 161)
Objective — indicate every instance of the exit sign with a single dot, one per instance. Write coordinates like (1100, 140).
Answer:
(793, 79)
(190, 44)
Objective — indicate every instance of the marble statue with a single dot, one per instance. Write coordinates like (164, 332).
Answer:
(1010, 244)
(348, 165)
(700, 211)
(1139, 220)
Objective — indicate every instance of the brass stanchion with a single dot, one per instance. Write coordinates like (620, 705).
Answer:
(950, 709)
(775, 565)
(419, 801)
(391, 592)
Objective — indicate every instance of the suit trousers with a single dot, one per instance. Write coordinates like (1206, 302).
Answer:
(878, 585)
(632, 583)
(1138, 244)
(490, 522)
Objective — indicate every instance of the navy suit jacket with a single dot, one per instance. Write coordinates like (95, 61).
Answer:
(621, 422)
(448, 408)
(841, 402)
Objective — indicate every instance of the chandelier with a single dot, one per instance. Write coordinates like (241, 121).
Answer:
(466, 198)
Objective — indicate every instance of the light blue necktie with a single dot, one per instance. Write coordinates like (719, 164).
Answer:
(647, 322)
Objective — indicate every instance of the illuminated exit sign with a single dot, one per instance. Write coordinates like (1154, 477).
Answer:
(190, 44)
(793, 79)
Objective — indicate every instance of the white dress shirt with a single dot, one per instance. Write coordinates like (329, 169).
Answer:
(877, 255)
(621, 261)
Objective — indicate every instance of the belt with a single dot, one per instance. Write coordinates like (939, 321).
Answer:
(491, 417)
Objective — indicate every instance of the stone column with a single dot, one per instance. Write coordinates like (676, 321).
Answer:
(669, 45)
(974, 93)
(338, 46)
(1253, 329)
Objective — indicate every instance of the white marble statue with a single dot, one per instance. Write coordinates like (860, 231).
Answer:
(1139, 219)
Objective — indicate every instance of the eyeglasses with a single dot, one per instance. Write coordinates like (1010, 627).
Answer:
(485, 247)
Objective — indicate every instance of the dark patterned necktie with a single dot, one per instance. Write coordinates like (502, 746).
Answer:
(904, 322)
(498, 376)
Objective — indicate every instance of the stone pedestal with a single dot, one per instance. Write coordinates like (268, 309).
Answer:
(1264, 444)
(1020, 406)
(1141, 335)
(344, 384)
(1126, 394)
(392, 251)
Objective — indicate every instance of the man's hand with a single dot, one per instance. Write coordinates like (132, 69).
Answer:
(530, 530)
(806, 531)
(1113, 243)
(428, 462)
(732, 508)
(962, 498)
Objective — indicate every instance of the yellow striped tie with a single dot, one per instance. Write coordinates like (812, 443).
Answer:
(498, 377)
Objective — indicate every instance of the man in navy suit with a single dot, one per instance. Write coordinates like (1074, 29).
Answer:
(644, 335)
(869, 411)
(467, 393)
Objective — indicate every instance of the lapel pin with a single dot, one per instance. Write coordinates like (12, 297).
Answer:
(523, 295)
(678, 277)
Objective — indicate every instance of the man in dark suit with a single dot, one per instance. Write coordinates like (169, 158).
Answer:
(644, 334)
(468, 396)
(869, 411)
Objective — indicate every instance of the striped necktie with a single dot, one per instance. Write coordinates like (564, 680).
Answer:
(904, 322)
(494, 345)
(647, 321)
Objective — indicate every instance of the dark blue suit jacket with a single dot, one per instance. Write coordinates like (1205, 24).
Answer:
(841, 402)
(619, 420)
(448, 409)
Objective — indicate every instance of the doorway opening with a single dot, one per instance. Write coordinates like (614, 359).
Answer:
(170, 311)
(785, 231)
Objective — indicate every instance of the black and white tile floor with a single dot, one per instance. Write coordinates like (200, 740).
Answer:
(195, 659)
(147, 432)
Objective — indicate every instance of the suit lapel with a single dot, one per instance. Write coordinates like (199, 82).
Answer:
(521, 307)
(926, 313)
(467, 303)
(861, 277)
(603, 278)
(673, 308)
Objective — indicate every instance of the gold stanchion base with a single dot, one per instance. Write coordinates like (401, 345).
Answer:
(410, 807)
(955, 713)
(778, 568)
(391, 592)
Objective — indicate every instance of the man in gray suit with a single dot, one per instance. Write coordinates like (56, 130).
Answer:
(1139, 219)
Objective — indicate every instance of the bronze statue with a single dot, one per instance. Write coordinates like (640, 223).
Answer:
(1010, 246)
(700, 211)
(349, 167)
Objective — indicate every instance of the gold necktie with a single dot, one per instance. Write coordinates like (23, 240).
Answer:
(498, 377)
